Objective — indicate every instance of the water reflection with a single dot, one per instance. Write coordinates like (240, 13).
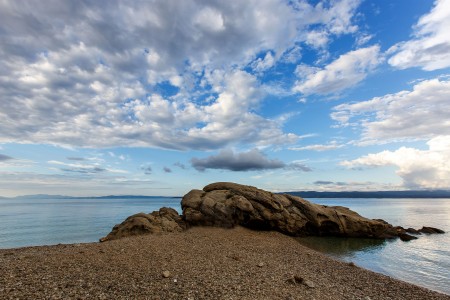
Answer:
(339, 247)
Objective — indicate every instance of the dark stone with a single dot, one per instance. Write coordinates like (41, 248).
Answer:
(406, 237)
(431, 230)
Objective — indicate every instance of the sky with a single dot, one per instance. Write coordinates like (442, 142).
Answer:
(161, 97)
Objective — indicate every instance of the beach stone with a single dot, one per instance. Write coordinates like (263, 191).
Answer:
(309, 283)
(261, 264)
(166, 274)
(164, 220)
(226, 204)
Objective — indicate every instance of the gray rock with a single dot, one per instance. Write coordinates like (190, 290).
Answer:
(225, 204)
(164, 220)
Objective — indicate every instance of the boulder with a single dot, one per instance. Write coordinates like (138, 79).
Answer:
(430, 230)
(225, 204)
(164, 220)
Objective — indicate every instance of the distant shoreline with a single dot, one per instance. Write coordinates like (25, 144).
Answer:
(304, 194)
(374, 194)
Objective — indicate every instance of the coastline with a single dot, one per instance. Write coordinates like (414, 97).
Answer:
(204, 263)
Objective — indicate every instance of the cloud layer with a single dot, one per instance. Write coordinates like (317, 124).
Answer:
(346, 71)
(418, 168)
(430, 47)
(156, 74)
(421, 113)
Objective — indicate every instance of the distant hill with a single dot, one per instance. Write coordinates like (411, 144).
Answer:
(374, 194)
(303, 194)
(45, 196)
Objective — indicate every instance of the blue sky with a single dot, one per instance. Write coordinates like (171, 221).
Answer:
(160, 97)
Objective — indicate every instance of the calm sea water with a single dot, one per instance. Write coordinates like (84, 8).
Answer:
(34, 222)
(425, 262)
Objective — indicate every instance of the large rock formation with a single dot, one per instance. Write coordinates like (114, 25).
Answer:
(226, 204)
(164, 220)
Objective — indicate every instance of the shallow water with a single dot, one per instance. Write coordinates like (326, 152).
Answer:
(425, 261)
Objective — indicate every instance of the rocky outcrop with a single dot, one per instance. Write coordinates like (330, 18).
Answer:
(164, 220)
(225, 204)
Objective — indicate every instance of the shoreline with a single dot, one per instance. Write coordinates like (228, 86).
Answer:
(204, 263)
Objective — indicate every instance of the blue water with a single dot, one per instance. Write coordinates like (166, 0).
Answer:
(425, 262)
(34, 222)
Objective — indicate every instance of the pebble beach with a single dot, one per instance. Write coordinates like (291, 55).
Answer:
(200, 263)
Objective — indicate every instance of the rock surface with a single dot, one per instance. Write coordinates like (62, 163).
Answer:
(164, 220)
(226, 204)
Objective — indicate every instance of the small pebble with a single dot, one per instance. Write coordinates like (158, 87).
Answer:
(166, 274)
(309, 283)
(261, 264)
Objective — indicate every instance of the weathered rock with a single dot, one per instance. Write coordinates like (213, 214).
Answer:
(406, 237)
(430, 230)
(164, 220)
(412, 230)
(225, 204)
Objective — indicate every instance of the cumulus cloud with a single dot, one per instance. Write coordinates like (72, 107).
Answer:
(252, 160)
(429, 48)
(229, 160)
(89, 75)
(428, 169)
(421, 113)
(345, 72)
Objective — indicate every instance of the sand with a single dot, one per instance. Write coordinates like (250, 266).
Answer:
(201, 263)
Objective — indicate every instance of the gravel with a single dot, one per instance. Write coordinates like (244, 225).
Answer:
(201, 263)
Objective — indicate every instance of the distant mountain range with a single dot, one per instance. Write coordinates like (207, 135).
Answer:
(45, 196)
(303, 194)
(374, 194)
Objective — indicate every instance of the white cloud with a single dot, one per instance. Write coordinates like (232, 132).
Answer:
(263, 64)
(317, 39)
(345, 72)
(407, 115)
(363, 38)
(430, 47)
(418, 168)
(88, 75)
(319, 147)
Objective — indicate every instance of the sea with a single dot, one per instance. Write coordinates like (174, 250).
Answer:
(424, 262)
